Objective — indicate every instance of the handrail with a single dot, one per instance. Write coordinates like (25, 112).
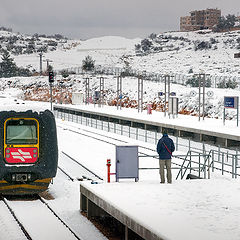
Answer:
(206, 157)
(182, 164)
(201, 167)
(186, 168)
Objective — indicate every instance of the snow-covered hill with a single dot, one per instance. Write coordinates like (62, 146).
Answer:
(171, 52)
(106, 51)
(20, 44)
(184, 52)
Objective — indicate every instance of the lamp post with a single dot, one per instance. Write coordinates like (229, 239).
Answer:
(119, 92)
(166, 92)
(87, 90)
(201, 93)
(41, 56)
(140, 93)
(61, 94)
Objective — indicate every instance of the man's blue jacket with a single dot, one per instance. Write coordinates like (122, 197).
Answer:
(161, 148)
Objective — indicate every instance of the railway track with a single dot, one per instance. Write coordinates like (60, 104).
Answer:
(110, 140)
(36, 220)
(13, 227)
(76, 171)
(104, 137)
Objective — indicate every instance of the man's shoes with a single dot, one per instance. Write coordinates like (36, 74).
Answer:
(162, 182)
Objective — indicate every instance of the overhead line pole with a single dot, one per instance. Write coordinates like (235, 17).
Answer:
(40, 55)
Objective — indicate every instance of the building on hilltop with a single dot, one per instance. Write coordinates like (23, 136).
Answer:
(200, 19)
(185, 23)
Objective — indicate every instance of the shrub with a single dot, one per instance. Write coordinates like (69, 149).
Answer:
(64, 74)
(88, 64)
(146, 45)
(213, 41)
(202, 45)
(152, 36)
(227, 84)
(8, 67)
(194, 82)
(190, 70)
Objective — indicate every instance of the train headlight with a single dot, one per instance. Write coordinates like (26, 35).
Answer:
(35, 150)
(8, 151)
(8, 156)
(34, 155)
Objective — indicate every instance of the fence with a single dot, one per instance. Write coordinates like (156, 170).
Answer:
(157, 77)
(225, 160)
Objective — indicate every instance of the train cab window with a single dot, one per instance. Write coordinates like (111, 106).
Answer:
(21, 131)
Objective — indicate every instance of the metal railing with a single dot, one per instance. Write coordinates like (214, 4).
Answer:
(195, 161)
(204, 163)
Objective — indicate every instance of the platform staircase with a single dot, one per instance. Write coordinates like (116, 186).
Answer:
(199, 165)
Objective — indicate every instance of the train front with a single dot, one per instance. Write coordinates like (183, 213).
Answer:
(28, 152)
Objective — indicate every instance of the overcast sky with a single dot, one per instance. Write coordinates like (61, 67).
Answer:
(92, 18)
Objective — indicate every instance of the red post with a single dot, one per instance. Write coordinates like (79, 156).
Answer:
(108, 170)
(149, 109)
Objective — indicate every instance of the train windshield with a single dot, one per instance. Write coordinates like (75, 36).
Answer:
(21, 131)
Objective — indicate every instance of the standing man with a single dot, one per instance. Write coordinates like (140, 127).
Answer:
(165, 148)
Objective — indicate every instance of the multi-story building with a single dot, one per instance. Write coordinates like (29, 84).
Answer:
(211, 17)
(202, 19)
(185, 23)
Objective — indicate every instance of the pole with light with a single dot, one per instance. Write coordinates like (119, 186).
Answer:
(51, 81)
(41, 56)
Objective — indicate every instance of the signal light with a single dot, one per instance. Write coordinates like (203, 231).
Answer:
(51, 77)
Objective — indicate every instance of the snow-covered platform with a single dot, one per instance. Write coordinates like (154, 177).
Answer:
(192, 209)
(183, 126)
